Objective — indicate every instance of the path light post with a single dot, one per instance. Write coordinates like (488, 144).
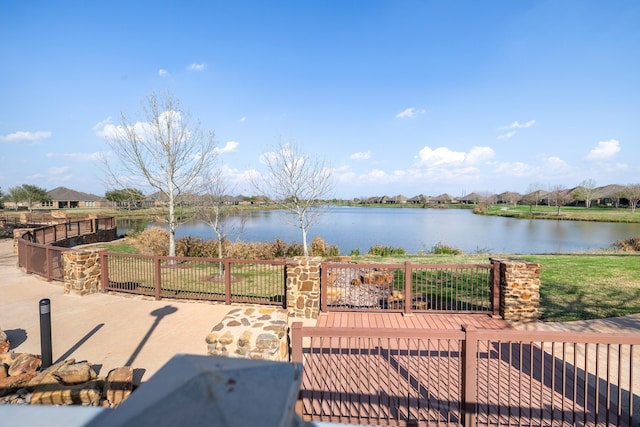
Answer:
(45, 333)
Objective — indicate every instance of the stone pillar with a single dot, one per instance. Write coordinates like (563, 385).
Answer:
(519, 290)
(303, 287)
(81, 271)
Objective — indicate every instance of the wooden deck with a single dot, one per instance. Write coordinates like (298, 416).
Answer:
(448, 321)
(394, 369)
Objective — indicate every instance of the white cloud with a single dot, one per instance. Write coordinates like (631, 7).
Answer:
(228, 147)
(162, 72)
(511, 128)
(442, 156)
(243, 119)
(518, 125)
(604, 150)
(107, 130)
(22, 136)
(507, 135)
(197, 67)
(409, 113)
(361, 155)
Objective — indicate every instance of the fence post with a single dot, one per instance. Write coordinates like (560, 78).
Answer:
(104, 271)
(323, 287)
(296, 357)
(157, 279)
(408, 292)
(227, 281)
(495, 288)
(49, 264)
(469, 375)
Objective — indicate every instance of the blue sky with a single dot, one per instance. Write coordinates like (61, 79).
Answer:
(400, 97)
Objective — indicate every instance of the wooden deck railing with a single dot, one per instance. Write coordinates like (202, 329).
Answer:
(37, 253)
(467, 377)
(410, 287)
(227, 280)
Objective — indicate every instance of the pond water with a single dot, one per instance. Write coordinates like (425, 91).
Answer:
(418, 230)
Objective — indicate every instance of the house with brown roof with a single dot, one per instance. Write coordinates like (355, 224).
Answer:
(65, 198)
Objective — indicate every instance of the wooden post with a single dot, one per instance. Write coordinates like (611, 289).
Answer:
(323, 287)
(104, 270)
(495, 288)
(227, 281)
(469, 375)
(408, 292)
(157, 277)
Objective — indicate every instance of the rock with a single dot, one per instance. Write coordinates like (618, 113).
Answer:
(47, 377)
(12, 383)
(377, 278)
(7, 358)
(118, 385)
(4, 370)
(24, 363)
(76, 373)
(81, 394)
(4, 342)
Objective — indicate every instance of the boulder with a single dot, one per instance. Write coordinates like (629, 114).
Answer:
(118, 385)
(4, 342)
(24, 363)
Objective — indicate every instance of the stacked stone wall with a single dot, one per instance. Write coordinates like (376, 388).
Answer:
(519, 290)
(81, 271)
(303, 287)
(252, 333)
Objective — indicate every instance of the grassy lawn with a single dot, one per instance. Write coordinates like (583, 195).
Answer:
(602, 214)
(573, 286)
(577, 287)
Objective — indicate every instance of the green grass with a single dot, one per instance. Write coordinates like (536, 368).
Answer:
(580, 287)
(573, 286)
(600, 214)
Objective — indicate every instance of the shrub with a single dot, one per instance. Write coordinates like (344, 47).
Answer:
(631, 244)
(442, 249)
(153, 241)
(381, 250)
(320, 248)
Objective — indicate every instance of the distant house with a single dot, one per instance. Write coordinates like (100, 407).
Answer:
(65, 198)
(419, 199)
(443, 199)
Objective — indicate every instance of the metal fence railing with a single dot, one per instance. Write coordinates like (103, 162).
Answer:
(469, 377)
(37, 255)
(410, 287)
(228, 280)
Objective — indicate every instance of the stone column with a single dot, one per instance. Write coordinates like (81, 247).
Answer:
(81, 271)
(519, 290)
(303, 287)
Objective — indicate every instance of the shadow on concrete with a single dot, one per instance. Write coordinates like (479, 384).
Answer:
(159, 314)
(16, 337)
(77, 345)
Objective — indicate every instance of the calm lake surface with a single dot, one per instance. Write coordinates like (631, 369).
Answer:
(418, 230)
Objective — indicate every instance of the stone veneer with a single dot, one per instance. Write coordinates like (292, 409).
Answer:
(81, 271)
(303, 287)
(255, 332)
(519, 290)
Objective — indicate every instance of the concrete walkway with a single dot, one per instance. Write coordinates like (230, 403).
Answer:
(106, 330)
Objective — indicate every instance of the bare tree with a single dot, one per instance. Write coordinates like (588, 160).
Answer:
(298, 182)
(164, 151)
(533, 196)
(559, 196)
(631, 192)
(218, 211)
(586, 192)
